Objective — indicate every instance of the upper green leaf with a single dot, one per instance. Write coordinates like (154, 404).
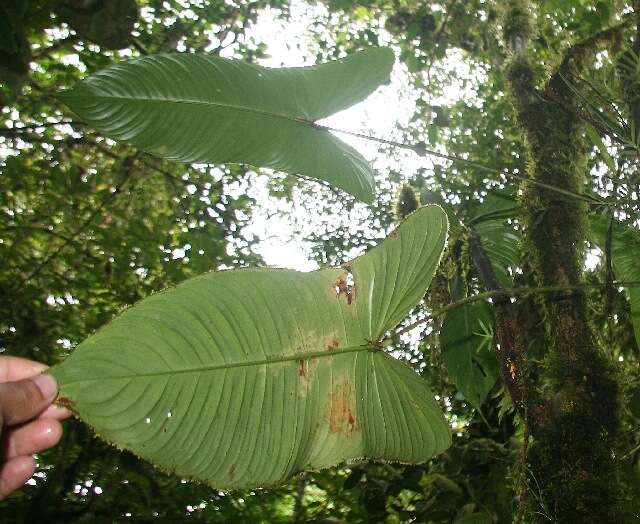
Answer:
(198, 108)
(243, 378)
(471, 364)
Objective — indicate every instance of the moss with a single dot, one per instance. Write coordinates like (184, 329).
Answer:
(517, 28)
(571, 458)
(520, 74)
(572, 471)
(406, 202)
(571, 461)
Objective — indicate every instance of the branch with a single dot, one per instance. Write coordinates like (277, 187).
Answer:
(298, 501)
(416, 148)
(576, 54)
(511, 346)
(437, 37)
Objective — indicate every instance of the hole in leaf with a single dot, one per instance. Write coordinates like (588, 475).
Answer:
(346, 286)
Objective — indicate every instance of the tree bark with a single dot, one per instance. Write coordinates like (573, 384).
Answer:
(571, 461)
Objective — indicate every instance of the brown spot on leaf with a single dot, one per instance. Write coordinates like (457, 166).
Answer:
(341, 410)
(232, 471)
(306, 368)
(332, 343)
(303, 368)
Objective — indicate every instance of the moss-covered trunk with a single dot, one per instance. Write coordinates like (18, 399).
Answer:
(571, 462)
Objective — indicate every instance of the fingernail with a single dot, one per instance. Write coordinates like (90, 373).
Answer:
(47, 385)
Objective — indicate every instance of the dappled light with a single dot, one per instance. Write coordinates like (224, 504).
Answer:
(335, 261)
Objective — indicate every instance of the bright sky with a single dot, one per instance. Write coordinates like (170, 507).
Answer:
(290, 44)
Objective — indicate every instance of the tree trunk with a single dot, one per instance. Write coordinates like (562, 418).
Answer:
(571, 460)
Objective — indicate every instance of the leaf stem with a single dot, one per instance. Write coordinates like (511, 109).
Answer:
(423, 151)
(267, 359)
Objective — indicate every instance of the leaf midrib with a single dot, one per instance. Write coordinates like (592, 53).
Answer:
(265, 361)
(300, 120)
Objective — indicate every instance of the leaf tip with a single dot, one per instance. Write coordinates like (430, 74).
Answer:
(387, 59)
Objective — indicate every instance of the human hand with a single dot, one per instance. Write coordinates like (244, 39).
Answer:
(28, 421)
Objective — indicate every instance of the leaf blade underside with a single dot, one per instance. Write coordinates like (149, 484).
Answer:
(204, 109)
(243, 378)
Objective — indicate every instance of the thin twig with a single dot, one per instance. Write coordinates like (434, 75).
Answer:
(436, 39)
(423, 151)
(513, 291)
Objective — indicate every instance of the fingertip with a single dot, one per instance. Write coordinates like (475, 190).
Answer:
(51, 433)
(17, 368)
(31, 438)
(45, 434)
(14, 473)
(47, 385)
(56, 412)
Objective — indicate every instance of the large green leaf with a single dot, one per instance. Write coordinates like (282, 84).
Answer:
(471, 364)
(198, 108)
(625, 258)
(243, 378)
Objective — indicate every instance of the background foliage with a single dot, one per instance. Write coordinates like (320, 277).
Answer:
(89, 226)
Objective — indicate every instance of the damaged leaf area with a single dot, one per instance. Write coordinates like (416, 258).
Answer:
(243, 378)
(345, 287)
(332, 344)
(341, 411)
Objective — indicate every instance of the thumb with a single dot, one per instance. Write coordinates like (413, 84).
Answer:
(26, 399)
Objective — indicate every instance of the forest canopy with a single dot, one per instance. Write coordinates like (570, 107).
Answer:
(518, 119)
